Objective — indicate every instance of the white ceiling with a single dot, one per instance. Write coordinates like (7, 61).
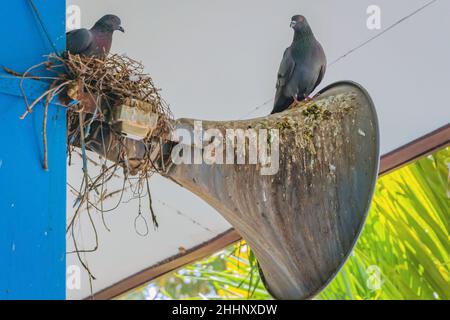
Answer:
(218, 60)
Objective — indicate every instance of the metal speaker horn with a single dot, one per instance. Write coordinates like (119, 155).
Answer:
(303, 221)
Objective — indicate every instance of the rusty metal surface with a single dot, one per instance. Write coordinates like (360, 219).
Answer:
(303, 222)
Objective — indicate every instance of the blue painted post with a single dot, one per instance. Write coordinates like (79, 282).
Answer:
(32, 201)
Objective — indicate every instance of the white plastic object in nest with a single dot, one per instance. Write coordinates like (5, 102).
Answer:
(134, 119)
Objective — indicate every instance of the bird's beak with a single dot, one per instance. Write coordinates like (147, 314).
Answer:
(293, 23)
(121, 29)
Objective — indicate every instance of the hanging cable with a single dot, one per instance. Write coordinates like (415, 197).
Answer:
(392, 26)
(41, 22)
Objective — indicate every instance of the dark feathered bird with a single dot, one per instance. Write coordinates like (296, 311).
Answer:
(95, 41)
(302, 67)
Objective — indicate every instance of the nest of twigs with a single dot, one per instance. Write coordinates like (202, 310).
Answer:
(99, 85)
(91, 88)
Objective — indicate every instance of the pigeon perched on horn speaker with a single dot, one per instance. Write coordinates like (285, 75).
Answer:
(302, 67)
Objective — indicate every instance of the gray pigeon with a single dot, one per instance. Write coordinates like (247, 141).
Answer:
(96, 41)
(302, 67)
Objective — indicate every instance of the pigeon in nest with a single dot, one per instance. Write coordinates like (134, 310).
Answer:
(302, 67)
(95, 41)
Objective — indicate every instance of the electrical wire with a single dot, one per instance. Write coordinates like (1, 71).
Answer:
(44, 27)
(392, 26)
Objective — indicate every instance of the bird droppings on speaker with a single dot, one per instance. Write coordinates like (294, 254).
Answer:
(314, 113)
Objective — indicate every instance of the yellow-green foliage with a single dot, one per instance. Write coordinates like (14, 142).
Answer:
(404, 250)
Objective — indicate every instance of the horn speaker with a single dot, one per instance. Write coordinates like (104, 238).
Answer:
(303, 221)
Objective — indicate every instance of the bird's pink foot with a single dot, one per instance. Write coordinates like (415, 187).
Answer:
(294, 103)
